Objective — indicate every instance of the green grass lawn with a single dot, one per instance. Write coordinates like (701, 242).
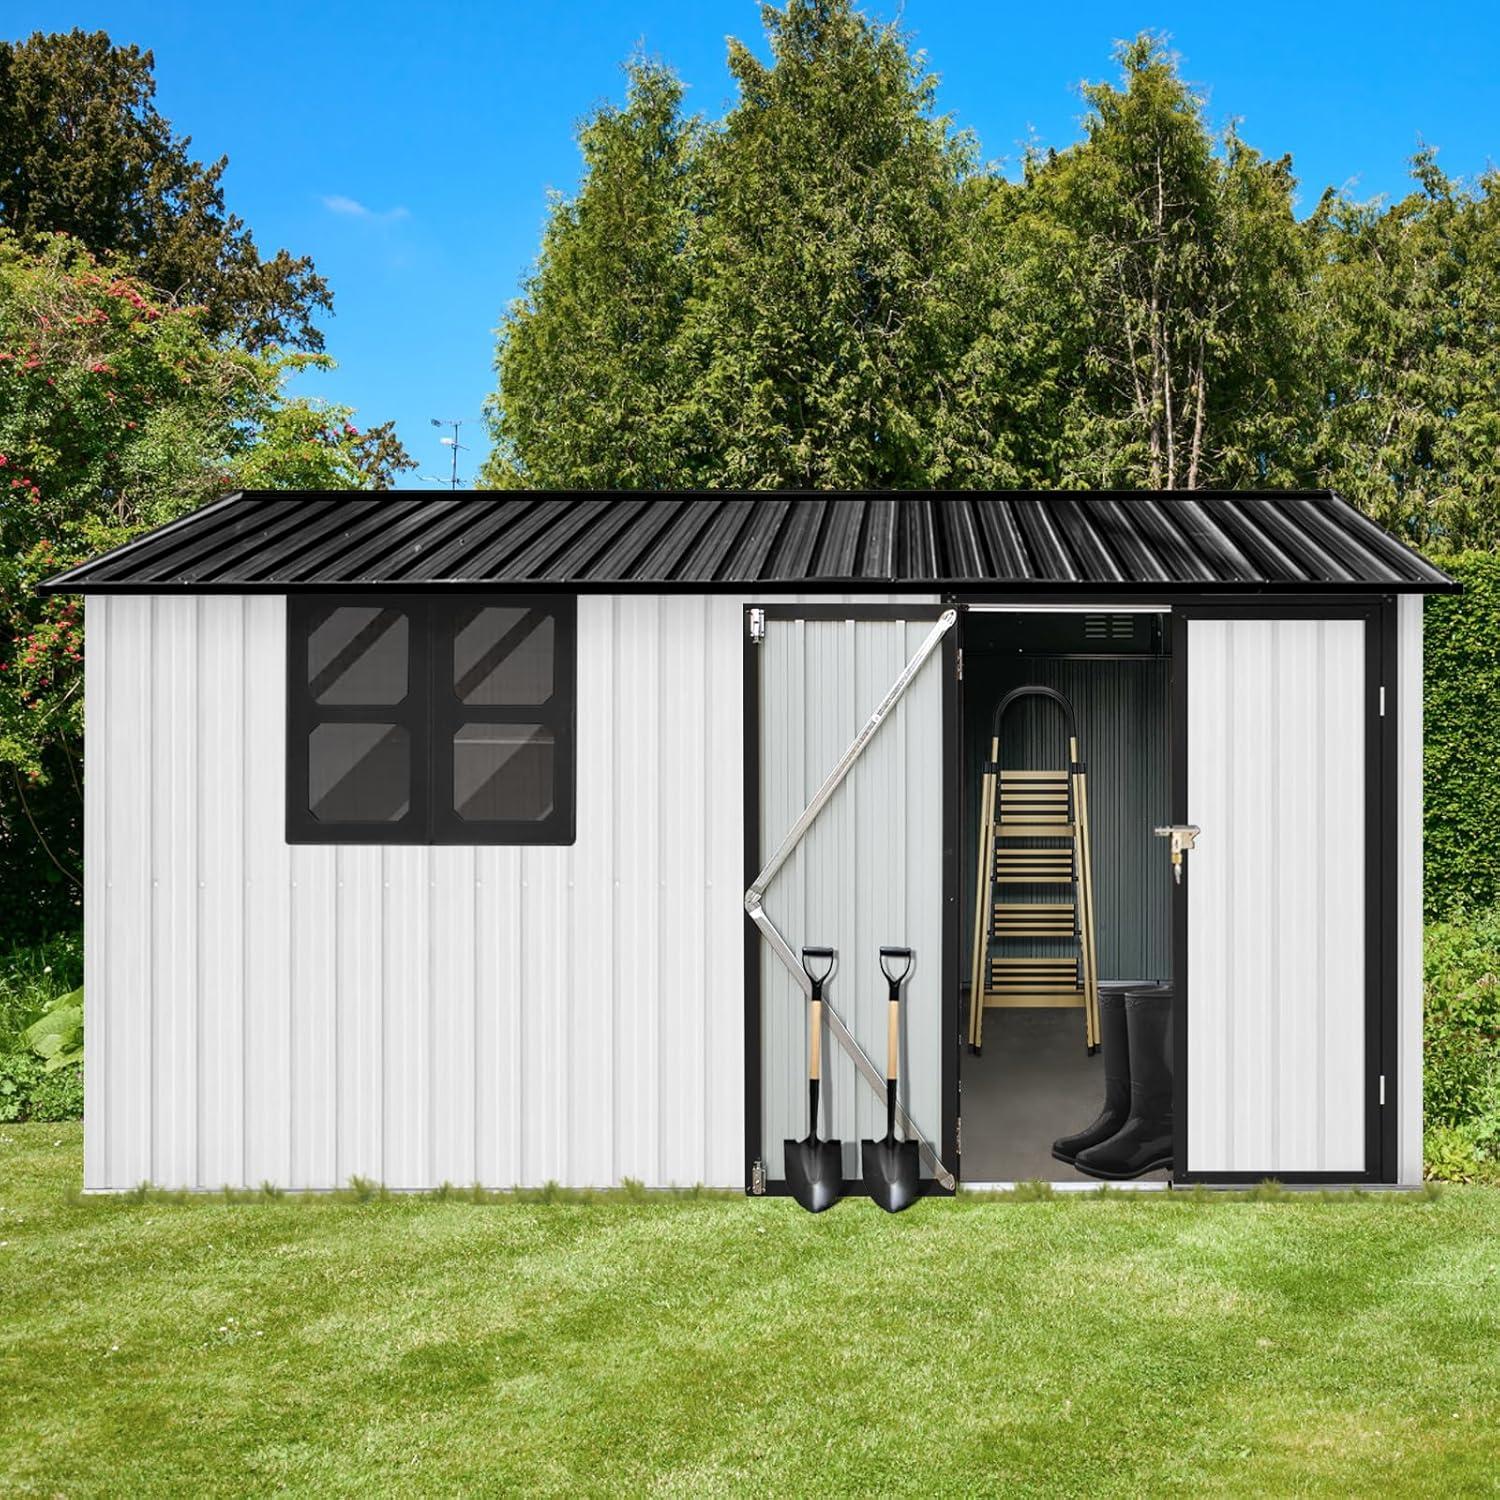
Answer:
(1072, 1346)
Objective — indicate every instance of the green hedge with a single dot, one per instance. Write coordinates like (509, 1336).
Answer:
(1461, 1052)
(1461, 776)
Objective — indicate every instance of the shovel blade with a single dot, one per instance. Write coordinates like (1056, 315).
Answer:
(815, 1172)
(893, 1173)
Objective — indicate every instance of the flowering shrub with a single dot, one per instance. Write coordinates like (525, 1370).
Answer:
(117, 413)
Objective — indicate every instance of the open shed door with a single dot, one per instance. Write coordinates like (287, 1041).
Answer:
(1277, 948)
(852, 727)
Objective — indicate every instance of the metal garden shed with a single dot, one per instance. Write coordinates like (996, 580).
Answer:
(436, 838)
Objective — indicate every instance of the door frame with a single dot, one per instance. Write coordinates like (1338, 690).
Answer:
(756, 1184)
(1381, 1105)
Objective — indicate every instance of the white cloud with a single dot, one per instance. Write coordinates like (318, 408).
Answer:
(352, 208)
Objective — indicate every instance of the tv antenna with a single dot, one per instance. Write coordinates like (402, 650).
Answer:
(453, 446)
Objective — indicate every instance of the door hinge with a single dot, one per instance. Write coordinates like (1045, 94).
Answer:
(758, 1177)
(1382, 1090)
(757, 625)
(958, 1137)
(1382, 700)
(960, 655)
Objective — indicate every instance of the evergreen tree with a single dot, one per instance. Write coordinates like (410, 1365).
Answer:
(1408, 356)
(84, 152)
(827, 290)
(589, 380)
(1176, 264)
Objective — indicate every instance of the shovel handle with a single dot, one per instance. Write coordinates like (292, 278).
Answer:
(815, 1042)
(888, 956)
(892, 1039)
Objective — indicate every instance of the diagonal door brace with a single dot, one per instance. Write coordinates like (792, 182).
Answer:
(755, 896)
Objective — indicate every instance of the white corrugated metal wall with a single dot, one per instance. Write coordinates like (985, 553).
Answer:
(300, 1015)
(1276, 923)
(869, 872)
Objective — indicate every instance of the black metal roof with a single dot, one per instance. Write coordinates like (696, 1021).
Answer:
(1180, 540)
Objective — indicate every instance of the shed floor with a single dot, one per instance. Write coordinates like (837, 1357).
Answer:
(1033, 1083)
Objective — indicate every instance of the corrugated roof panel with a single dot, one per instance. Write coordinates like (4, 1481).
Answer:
(387, 548)
(595, 548)
(418, 559)
(965, 552)
(1006, 552)
(1213, 539)
(503, 542)
(675, 540)
(1187, 541)
(1086, 539)
(452, 558)
(1136, 557)
(1168, 540)
(717, 540)
(1301, 537)
(766, 519)
(840, 551)
(877, 556)
(1049, 557)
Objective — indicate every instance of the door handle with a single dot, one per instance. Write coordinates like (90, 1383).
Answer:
(1184, 836)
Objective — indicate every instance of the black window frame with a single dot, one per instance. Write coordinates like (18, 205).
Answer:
(431, 714)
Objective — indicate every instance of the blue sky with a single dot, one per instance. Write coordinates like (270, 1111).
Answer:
(409, 149)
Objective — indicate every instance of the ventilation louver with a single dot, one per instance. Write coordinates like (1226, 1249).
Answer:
(1108, 627)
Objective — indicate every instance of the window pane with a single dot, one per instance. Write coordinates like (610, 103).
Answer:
(358, 773)
(358, 655)
(504, 656)
(503, 772)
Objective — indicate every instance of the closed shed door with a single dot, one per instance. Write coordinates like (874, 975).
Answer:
(1282, 722)
(868, 871)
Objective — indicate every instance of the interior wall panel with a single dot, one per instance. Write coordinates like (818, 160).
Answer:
(406, 1015)
(1123, 710)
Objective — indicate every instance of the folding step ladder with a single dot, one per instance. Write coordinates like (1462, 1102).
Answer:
(1034, 841)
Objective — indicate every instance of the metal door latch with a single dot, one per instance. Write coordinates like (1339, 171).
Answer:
(1184, 836)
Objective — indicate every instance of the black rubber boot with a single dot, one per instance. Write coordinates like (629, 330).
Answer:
(1144, 1142)
(1116, 1077)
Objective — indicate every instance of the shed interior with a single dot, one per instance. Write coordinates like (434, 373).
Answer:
(1034, 1080)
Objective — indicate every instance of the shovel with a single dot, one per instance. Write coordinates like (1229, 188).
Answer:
(814, 1168)
(892, 1169)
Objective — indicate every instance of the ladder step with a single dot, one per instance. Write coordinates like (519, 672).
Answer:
(1061, 776)
(1013, 865)
(1035, 828)
(1033, 974)
(1020, 926)
(1033, 1000)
